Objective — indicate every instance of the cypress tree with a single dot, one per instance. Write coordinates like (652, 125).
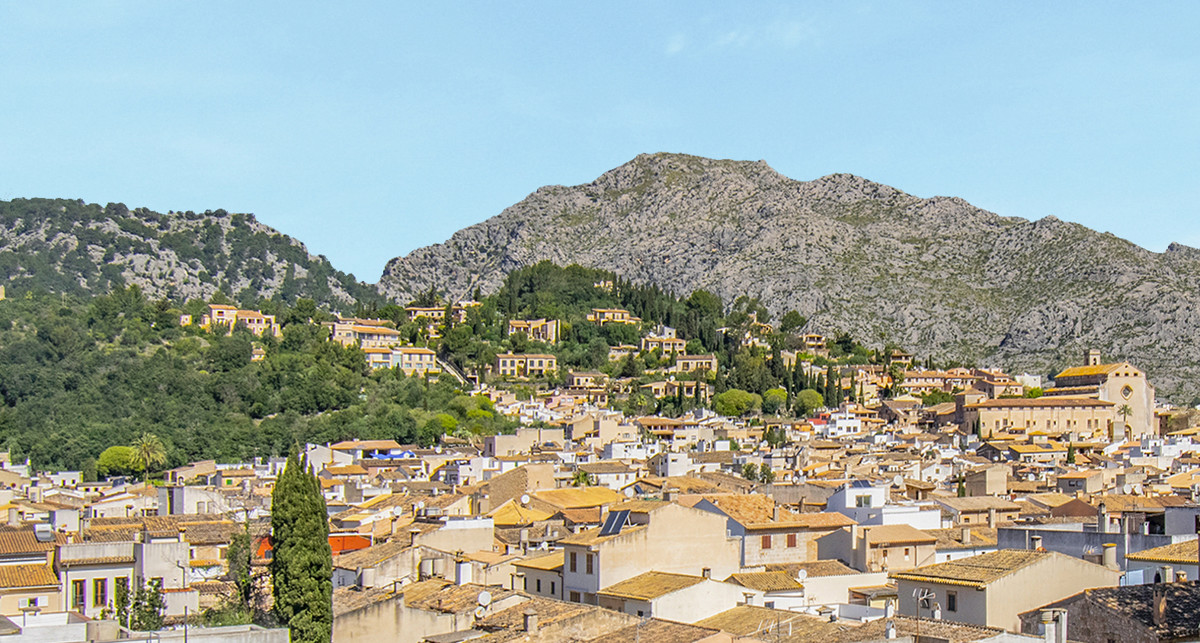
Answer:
(302, 562)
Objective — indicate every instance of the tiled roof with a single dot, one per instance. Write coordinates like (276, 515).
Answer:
(546, 563)
(1041, 402)
(976, 571)
(911, 627)
(511, 514)
(813, 569)
(769, 624)
(548, 612)
(370, 556)
(952, 538)
(899, 534)
(20, 540)
(978, 503)
(766, 581)
(1181, 553)
(1181, 617)
(14, 576)
(659, 631)
(650, 585)
(755, 511)
(574, 497)
(1089, 371)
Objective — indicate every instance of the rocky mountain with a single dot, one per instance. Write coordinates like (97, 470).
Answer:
(69, 246)
(937, 276)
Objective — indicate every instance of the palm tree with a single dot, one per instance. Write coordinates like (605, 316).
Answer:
(1125, 411)
(149, 452)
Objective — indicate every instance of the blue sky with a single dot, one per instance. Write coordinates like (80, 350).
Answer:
(370, 129)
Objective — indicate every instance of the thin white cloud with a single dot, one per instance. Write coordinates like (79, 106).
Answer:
(676, 44)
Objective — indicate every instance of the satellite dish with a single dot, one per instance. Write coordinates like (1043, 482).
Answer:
(420, 505)
(898, 481)
(485, 598)
(802, 575)
(629, 492)
(1127, 489)
(524, 499)
(480, 611)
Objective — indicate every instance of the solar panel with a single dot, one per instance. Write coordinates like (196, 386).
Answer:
(614, 522)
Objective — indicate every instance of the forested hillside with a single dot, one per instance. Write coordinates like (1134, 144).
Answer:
(65, 246)
(78, 376)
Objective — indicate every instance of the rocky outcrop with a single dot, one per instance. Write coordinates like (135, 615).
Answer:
(937, 276)
(61, 245)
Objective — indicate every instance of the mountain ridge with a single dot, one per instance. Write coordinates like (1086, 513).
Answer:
(937, 275)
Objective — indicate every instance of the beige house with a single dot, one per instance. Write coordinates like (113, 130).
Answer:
(693, 363)
(542, 576)
(602, 316)
(415, 360)
(230, 316)
(665, 345)
(538, 330)
(979, 510)
(1055, 415)
(770, 534)
(992, 589)
(367, 333)
(882, 548)
(1121, 384)
(531, 365)
(646, 535)
(675, 597)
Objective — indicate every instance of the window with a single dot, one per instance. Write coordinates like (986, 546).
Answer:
(99, 592)
(553, 589)
(78, 594)
(862, 501)
(588, 559)
(574, 597)
(951, 601)
(539, 586)
(766, 541)
(906, 553)
(791, 540)
(32, 601)
(573, 562)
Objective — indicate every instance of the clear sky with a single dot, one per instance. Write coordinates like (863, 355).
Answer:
(370, 129)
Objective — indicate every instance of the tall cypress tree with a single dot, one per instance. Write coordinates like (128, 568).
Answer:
(302, 562)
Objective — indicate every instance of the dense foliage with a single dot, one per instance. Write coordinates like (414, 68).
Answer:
(78, 377)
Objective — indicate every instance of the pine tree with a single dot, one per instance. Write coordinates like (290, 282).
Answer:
(302, 562)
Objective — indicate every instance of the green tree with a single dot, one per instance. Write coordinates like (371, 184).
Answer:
(582, 479)
(1125, 411)
(808, 401)
(148, 453)
(765, 474)
(773, 400)
(146, 611)
(750, 472)
(302, 562)
(736, 402)
(239, 555)
(791, 321)
(116, 461)
(962, 488)
(1070, 454)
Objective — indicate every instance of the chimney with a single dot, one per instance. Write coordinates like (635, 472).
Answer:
(14, 518)
(775, 514)
(1102, 518)
(889, 631)
(1048, 633)
(1093, 357)
(1180, 576)
(1110, 555)
(1159, 605)
(531, 621)
(462, 571)
(992, 518)
(1165, 573)
(966, 536)
(706, 572)
(1036, 543)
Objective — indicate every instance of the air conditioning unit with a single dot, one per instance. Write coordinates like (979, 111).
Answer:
(43, 532)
